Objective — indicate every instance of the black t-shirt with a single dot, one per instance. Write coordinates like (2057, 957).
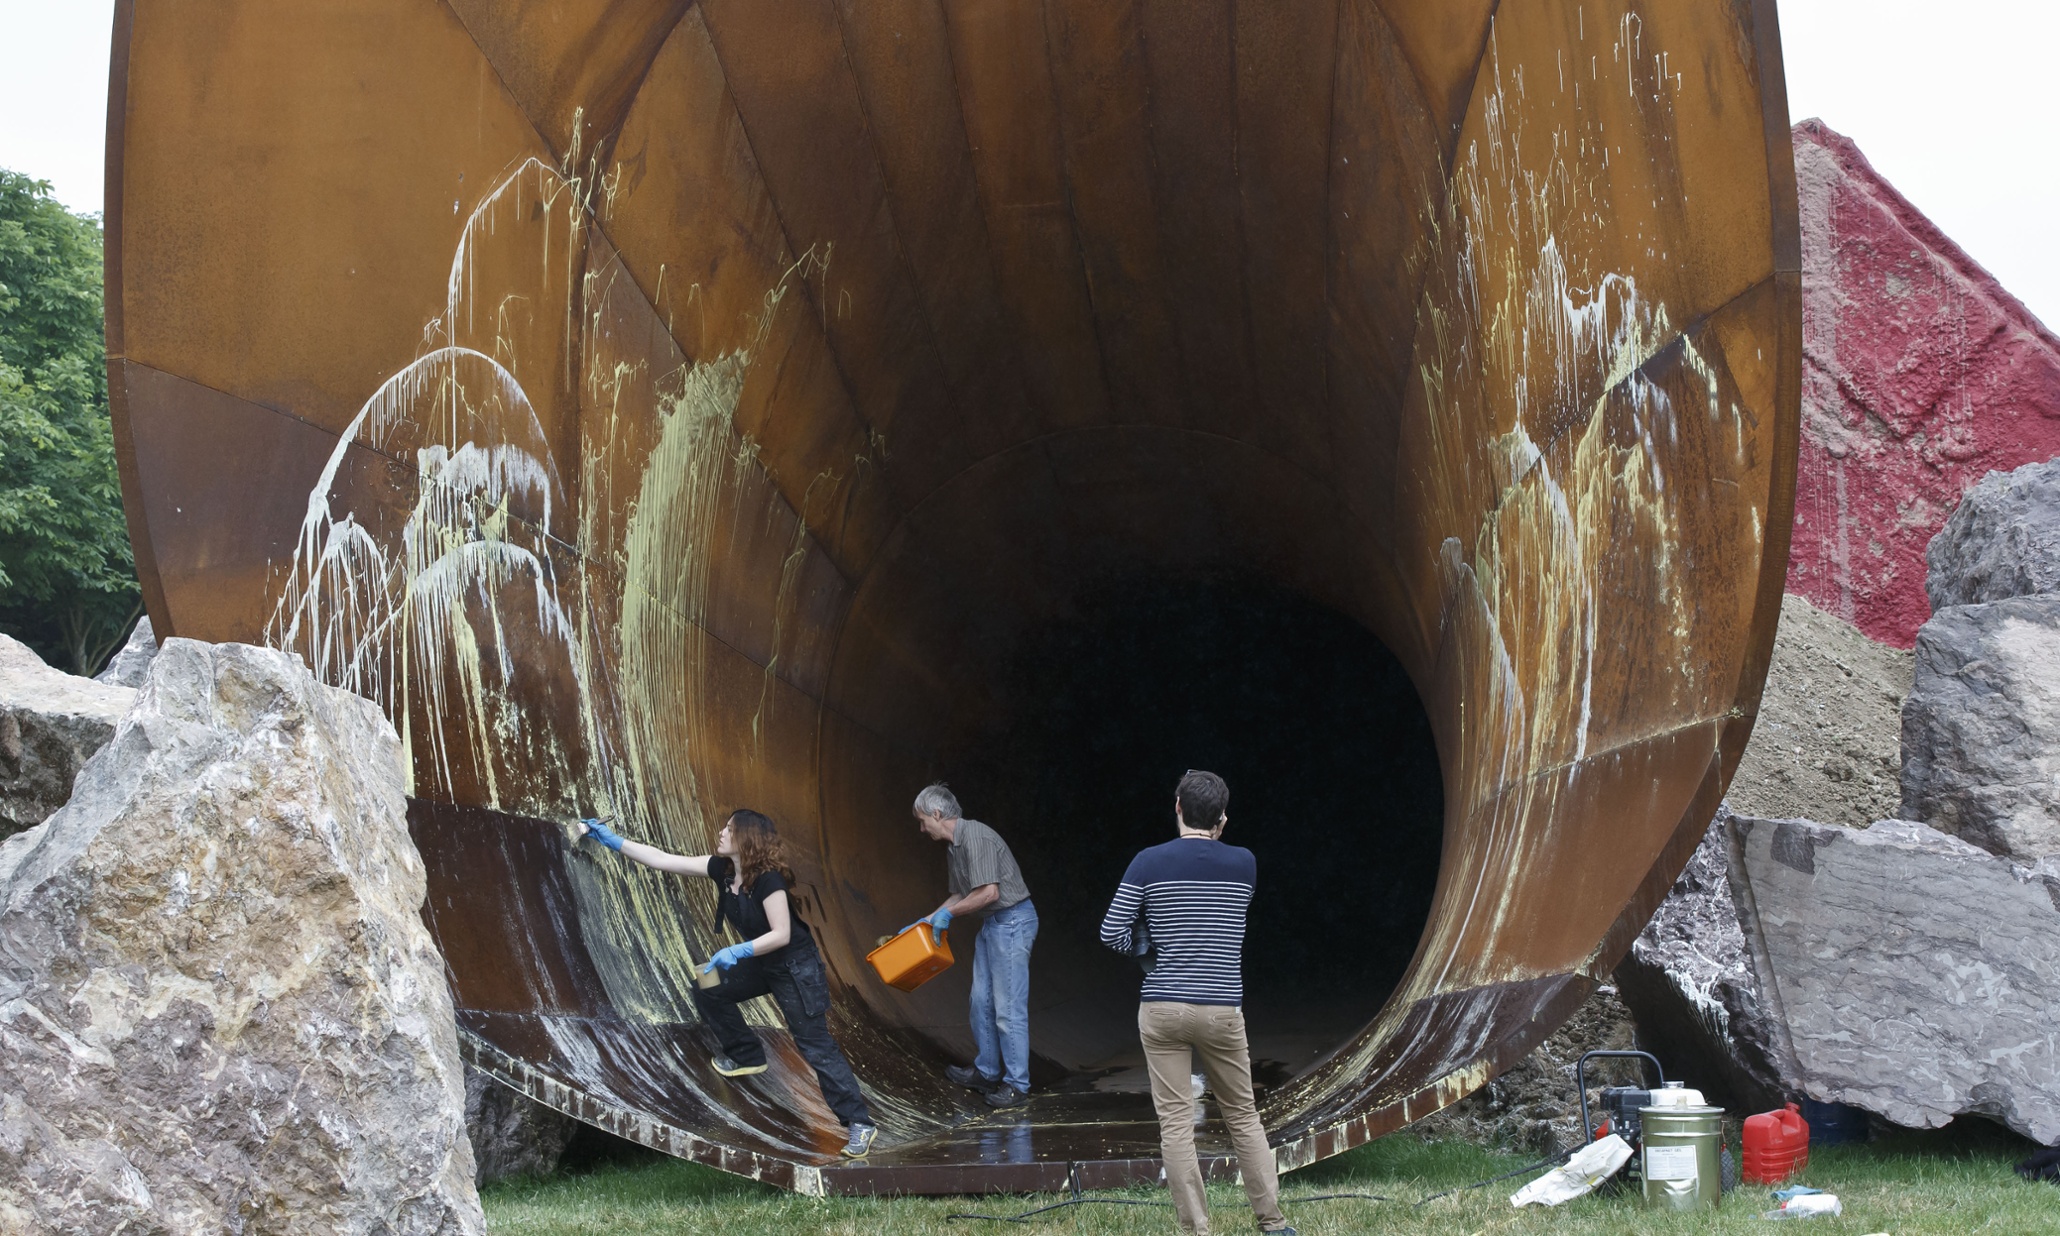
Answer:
(746, 910)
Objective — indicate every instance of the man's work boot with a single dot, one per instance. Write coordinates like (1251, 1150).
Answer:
(1006, 1095)
(970, 1078)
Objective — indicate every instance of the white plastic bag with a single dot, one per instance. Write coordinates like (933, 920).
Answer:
(1807, 1206)
(1591, 1165)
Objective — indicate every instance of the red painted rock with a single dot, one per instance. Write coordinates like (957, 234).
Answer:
(1920, 375)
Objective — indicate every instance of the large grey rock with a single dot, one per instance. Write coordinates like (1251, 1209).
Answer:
(1905, 971)
(2002, 541)
(131, 665)
(51, 722)
(1689, 982)
(511, 1133)
(220, 1010)
(1981, 728)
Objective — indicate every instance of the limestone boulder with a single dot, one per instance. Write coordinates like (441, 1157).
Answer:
(1981, 727)
(132, 664)
(220, 1010)
(1905, 971)
(511, 1133)
(2002, 541)
(1689, 983)
(51, 722)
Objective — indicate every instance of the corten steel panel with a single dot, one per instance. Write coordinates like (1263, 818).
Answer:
(658, 407)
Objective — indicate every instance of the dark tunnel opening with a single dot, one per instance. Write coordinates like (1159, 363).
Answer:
(1335, 787)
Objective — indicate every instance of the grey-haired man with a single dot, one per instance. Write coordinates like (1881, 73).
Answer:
(983, 878)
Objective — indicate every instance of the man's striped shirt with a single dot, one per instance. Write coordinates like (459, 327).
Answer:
(1190, 895)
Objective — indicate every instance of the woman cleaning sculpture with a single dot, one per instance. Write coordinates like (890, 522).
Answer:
(777, 956)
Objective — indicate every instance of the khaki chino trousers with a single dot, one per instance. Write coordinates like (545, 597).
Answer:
(1176, 1038)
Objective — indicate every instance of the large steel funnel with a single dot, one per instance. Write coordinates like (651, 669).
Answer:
(660, 407)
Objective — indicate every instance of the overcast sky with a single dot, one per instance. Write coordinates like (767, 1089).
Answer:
(1954, 103)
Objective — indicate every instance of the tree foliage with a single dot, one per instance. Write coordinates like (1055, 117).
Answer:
(67, 576)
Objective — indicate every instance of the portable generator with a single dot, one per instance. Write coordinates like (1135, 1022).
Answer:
(1624, 1109)
(1619, 1104)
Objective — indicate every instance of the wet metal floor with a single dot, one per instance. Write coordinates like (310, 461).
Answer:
(1093, 1138)
(1073, 1134)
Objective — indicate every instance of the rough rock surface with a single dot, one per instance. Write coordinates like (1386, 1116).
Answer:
(1904, 971)
(131, 665)
(1981, 729)
(1533, 1105)
(1689, 982)
(1920, 375)
(51, 722)
(2002, 541)
(1825, 746)
(220, 1010)
(512, 1134)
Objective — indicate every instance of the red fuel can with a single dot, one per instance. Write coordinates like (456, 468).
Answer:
(1777, 1146)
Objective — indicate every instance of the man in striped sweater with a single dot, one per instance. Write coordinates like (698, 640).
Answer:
(1181, 908)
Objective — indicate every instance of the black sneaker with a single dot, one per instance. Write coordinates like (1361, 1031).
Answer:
(860, 1142)
(970, 1078)
(730, 1068)
(1006, 1095)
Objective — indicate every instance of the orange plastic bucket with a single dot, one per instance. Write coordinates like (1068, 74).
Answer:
(911, 959)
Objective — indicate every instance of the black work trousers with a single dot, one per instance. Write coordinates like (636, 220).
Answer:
(794, 978)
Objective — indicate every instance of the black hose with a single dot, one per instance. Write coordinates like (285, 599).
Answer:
(1025, 1216)
(1073, 1183)
(1072, 1186)
(1554, 1161)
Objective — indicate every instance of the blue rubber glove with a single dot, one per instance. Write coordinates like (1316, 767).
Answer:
(727, 958)
(600, 832)
(940, 922)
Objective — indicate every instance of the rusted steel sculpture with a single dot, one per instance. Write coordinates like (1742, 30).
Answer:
(658, 407)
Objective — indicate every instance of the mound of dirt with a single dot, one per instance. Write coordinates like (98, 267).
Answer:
(1533, 1107)
(1827, 746)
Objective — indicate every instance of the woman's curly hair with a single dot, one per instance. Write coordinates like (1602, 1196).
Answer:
(758, 847)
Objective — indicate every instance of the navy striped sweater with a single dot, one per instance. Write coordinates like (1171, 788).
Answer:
(1190, 895)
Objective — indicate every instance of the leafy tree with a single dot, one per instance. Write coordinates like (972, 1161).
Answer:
(67, 576)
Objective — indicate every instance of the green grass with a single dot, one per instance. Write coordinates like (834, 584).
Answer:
(1953, 1181)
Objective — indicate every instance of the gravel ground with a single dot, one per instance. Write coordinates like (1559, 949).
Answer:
(1827, 746)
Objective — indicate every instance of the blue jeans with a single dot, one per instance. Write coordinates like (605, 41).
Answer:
(1001, 994)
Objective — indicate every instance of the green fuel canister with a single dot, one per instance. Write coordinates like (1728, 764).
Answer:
(1681, 1156)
